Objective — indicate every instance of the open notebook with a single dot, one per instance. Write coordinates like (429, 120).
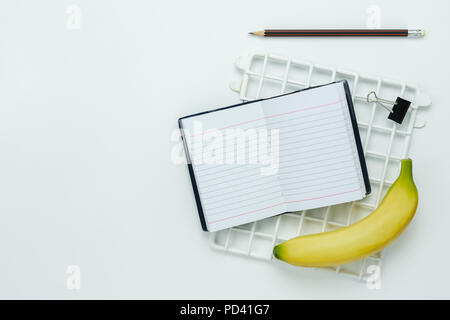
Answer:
(258, 159)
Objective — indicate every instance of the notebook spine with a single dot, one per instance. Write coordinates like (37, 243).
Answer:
(193, 181)
(359, 148)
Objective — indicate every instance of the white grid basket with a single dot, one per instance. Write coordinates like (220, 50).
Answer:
(385, 143)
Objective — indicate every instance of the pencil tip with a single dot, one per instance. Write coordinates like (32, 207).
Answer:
(257, 33)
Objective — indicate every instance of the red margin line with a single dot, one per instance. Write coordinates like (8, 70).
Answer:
(284, 202)
(272, 116)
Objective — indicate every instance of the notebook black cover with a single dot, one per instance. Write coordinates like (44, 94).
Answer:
(355, 132)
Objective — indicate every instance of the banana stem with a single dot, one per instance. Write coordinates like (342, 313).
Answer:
(406, 169)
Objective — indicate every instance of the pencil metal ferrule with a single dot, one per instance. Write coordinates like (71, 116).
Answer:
(416, 33)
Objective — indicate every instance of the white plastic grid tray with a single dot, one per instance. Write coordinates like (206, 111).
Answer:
(385, 143)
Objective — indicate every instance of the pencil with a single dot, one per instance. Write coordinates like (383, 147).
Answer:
(416, 33)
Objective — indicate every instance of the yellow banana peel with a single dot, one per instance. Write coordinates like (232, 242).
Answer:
(361, 239)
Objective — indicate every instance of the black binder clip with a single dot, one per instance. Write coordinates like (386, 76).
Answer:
(399, 107)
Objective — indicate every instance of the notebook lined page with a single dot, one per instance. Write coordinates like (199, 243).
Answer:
(233, 192)
(317, 159)
(261, 159)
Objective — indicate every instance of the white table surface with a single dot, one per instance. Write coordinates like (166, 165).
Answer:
(85, 122)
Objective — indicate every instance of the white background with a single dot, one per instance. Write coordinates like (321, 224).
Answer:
(85, 122)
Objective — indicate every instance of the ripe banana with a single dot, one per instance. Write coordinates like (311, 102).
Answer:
(361, 239)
